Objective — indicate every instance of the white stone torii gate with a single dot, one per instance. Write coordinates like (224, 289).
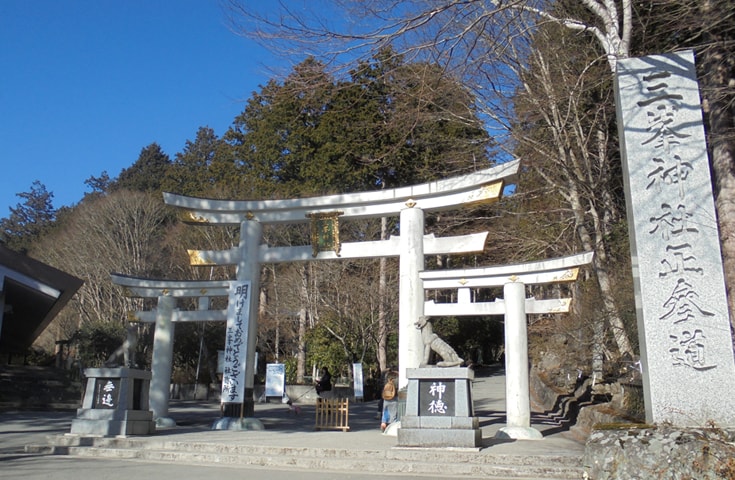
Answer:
(408, 202)
(165, 316)
(515, 306)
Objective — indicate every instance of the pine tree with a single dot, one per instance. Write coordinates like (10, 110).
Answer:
(204, 168)
(147, 173)
(30, 220)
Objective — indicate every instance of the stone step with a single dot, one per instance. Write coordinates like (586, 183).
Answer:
(447, 463)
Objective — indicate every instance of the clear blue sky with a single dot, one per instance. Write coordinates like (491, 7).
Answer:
(86, 84)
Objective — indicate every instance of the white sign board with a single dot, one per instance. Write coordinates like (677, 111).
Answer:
(358, 380)
(275, 380)
(236, 343)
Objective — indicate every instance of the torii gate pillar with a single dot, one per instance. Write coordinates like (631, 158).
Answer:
(163, 352)
(248, 269)
(517, 398)
(411, 291)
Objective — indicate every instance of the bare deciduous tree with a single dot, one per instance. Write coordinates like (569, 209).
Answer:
(487, 44)
(120, 233)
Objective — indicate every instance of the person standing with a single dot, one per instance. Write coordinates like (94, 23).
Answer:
(389, 398)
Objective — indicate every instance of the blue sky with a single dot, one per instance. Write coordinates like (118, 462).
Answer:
(86, 84)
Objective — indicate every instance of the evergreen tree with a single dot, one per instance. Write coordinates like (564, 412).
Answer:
(203, 168)
(407, 123)
(390, 124)
(279, 139)
(30, 220)
(147, 173)
(100, 185)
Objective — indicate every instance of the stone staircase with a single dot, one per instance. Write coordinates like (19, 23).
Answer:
(25, 387)
(290, 442)
(430, 462)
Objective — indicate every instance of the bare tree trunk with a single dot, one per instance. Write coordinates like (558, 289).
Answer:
(722, 165)
(717, 87)
(301, 353)
(572, 173)
(382, 314)
(211, 363)
(600, 266)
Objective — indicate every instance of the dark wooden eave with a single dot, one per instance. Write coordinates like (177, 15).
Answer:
(34, 293)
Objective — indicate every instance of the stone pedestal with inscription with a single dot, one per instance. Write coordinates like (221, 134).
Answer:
(439, 409)
(115, 403)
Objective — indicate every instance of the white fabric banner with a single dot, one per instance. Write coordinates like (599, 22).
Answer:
(236, 343)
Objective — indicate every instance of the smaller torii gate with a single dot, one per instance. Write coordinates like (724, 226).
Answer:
(164, 316)
(515, 306)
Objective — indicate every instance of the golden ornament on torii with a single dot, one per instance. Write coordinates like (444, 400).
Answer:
(324, 232)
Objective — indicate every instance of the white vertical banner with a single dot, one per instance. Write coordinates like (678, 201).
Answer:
(236, 342)
(358, 380)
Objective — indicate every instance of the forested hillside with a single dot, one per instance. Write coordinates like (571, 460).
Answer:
(308, 134)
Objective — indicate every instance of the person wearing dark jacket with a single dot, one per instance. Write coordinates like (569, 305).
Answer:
(324, 384)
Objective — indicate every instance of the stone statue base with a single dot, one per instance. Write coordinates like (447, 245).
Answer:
(439, 410)
(237, 423)
(518, 433)
(115, 403)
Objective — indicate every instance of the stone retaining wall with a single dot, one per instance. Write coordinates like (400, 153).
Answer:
(660, 453)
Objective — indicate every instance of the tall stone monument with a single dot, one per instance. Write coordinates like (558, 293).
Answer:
(684, 329)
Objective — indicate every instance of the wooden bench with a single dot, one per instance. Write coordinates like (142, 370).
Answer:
(332, 414)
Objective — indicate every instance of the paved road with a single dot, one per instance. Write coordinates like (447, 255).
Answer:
(18, 429)
(68, 468)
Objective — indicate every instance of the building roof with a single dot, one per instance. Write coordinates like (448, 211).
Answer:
(34, 293)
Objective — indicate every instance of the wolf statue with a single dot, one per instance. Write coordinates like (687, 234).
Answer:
(433, 342)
